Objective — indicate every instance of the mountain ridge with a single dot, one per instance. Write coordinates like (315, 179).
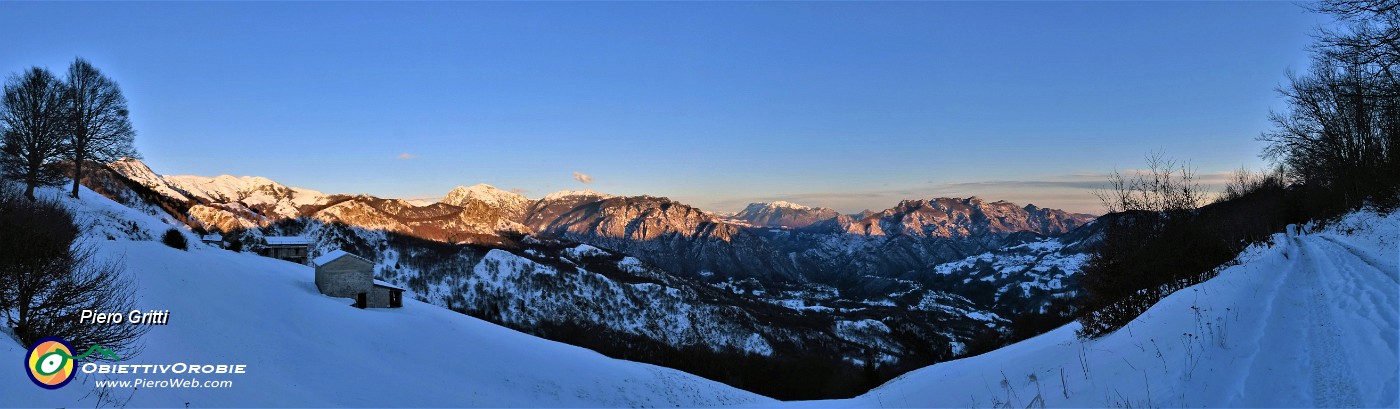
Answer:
(778, 243)
(492, 210)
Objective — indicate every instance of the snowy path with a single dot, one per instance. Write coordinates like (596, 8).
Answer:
(1366, 314)
(1278, 331)
(1332, 384)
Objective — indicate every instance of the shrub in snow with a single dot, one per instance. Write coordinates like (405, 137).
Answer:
(174, 239)
(42, 261)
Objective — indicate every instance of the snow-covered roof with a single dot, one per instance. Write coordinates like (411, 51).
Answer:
(383, 283)
(332, 256)
(287, 241)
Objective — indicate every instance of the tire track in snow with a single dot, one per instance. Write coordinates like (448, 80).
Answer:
(1379, 294)
(1333, 384)
(1391, 272)
(1375, 320)
(1260, 387)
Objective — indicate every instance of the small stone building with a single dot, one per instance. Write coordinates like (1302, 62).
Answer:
(290, 248)
(341, 274)
(213, 239)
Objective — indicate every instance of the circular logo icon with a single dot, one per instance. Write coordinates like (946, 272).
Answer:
(50, 363)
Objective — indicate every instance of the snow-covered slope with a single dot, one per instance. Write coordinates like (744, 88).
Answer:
(1032, 274)
(138, 171)
(1308, 322)
(304, 349)
(509, 202)
(251, 191)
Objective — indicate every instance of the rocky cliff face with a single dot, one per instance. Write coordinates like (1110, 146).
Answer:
(784, 214)
(641, 218)
(954, 218)
(673, 235)
(543, 212)
(508, 206)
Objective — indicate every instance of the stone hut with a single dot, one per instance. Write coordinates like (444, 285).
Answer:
(290, 248)
(341, 274)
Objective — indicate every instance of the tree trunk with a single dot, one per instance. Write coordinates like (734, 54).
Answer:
(29, 181)
(22, 322)
(77, 174)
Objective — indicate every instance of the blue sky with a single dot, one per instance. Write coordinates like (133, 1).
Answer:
(845, 105)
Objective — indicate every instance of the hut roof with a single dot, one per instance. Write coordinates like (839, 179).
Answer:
(335, 255)
(382, 283)
(287, 241)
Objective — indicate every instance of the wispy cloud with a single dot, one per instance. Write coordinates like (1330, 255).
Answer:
(407, 155)
(583, 178)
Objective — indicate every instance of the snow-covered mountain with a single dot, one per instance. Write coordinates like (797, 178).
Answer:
(572, 194)
(304, 349)
(255, 192)
(511, 206)
(784, 214)
(958, 218)
(554, 205)
(1018, 279)
(863, 258)
(138, 172)
(485, 193)
(226, 202)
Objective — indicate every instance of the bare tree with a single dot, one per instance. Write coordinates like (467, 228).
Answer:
(98, 123)
(1153, 220)
(32, 111)
(1244, 182)
(1341, 130)
(1368, 35)
(1165, 186)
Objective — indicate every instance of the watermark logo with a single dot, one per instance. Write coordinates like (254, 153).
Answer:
(50, 361)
